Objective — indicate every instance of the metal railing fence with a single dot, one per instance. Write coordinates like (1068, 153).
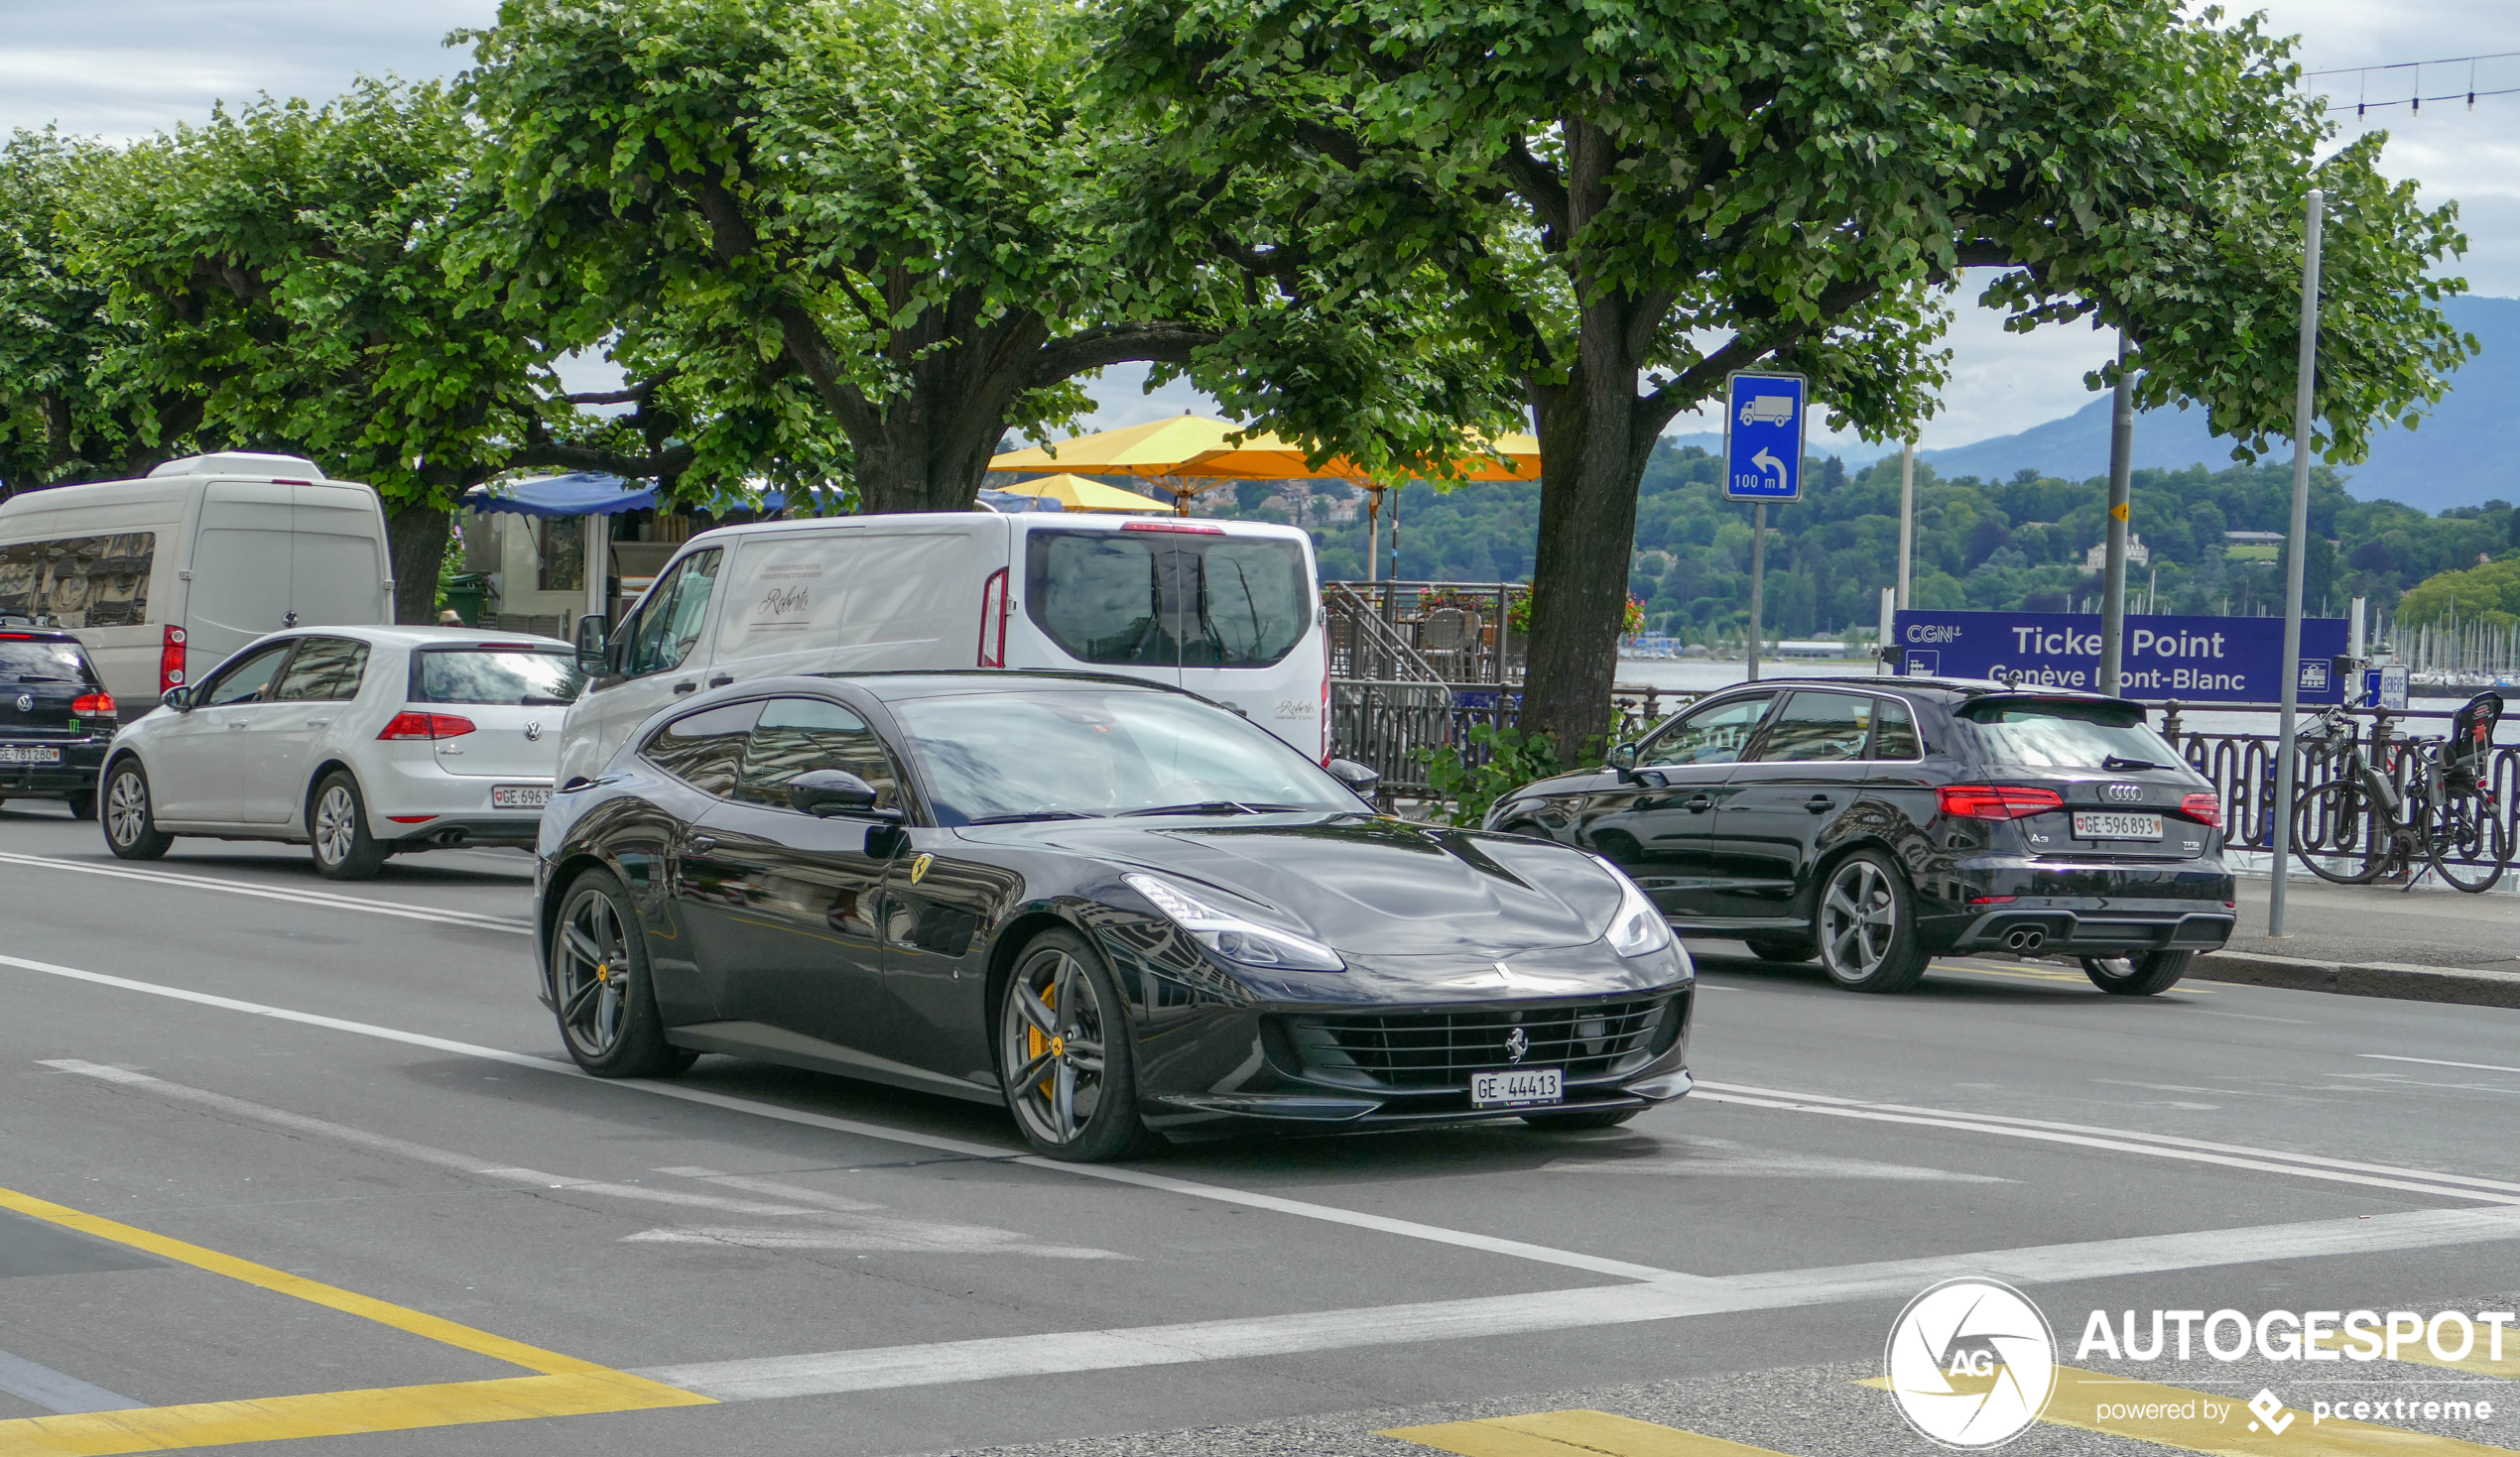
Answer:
(2241, 767)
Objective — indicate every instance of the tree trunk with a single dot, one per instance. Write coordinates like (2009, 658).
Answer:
(415, 538)
(1594, 442)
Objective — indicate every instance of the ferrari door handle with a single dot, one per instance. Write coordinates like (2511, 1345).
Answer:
(1818, 803)
(685, 687)
(721, 681)
(703, 844)
(1700, 806)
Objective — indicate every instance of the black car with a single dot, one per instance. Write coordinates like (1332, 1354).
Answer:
(1875, 822)
(55, 717)
(1117, 907)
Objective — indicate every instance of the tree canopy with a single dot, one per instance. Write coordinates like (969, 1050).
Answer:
(1631, 199)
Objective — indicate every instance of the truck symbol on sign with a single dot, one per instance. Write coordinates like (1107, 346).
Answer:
(1768, 410)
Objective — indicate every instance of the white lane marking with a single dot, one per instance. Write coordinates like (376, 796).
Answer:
(469, 919)
(792, 1193)
(841, 1228)
(875, 1237)
(2439, 1062)
(1409, 1229)
(2001, 1123)
(54, 1391)
(883, 1368)
(1704, 1157)
(2120, 1146)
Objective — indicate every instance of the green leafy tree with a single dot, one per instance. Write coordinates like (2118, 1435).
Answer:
(65, 413)
(1630, 199)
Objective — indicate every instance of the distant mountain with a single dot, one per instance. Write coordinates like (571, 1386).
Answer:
(2467, 451)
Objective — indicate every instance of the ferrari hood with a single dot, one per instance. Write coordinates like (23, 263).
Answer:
(1378, 887)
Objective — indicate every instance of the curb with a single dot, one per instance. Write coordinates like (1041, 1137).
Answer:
(2391, 979)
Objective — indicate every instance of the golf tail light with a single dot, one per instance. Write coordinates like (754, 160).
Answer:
(2204, 809)
(412, 724)
(1997, 801)
(1246, 942)
(993, 606)
(92, 705)
(171, 659)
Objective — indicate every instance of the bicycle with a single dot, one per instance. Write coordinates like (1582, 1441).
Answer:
(2360, 826)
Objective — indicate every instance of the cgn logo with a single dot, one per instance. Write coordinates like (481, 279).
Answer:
(1971, 1363)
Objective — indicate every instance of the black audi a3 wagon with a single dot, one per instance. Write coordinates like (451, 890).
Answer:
(1877, 822)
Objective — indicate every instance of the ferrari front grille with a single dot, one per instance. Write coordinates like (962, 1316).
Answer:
(1441, 1049)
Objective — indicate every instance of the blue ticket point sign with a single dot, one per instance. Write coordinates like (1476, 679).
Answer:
(1763, 437)
(2188, 659)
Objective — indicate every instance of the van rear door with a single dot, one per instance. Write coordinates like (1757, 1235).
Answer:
(337, 560)
(241, 569)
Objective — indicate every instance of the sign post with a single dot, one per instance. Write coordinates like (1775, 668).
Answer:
(2304, 374)
(2121, 460)
(1762, 462)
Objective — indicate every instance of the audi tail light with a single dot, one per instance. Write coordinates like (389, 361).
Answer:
(412, 724)
(2203, 807)
(1997, 801)
(92, 705)
(171, 660)
(993, 606)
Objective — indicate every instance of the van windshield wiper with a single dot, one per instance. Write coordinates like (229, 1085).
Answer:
(1034, 814)
(2117, 764)
(1213, 807)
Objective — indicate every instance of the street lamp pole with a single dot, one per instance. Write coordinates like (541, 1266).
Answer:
(2305, 375)
(2122, 464)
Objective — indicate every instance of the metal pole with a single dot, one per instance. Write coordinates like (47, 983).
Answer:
(2121, 463)
(2298, 550)
(598, 550)
(1907, 516)
(1758, 578)
(1373, 534)
(1883, 646)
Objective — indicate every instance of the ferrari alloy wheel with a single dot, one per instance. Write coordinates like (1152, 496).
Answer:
(1063, 1050)
(599, 985)
(1865, 929)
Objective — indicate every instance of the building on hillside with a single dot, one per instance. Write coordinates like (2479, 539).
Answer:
(2137, 554)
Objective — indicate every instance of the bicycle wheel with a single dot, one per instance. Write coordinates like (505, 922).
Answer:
(2337, 833)
(2466, 838)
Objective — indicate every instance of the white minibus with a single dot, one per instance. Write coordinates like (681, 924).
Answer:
(1229, 610)
(164, 578)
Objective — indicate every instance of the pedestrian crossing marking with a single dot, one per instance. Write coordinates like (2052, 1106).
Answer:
(1575, 1433)
(2186, 1419)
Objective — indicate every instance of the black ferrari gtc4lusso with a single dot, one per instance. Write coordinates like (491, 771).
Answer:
(1113, 906)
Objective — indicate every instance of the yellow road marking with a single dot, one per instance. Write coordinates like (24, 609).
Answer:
(336, 1414)
(1569, 1434)
(566, 1386)
(2181, 1421)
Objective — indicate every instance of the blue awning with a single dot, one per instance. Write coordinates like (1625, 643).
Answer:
(580, 494)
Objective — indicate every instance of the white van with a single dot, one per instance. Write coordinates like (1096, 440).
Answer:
(1229, 610)
(165, 576)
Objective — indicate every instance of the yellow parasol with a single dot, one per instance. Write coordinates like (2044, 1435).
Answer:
(1075, 493)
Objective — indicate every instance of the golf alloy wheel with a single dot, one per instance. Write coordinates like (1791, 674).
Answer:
(1866, 939)
(337, 823)
(131, 829)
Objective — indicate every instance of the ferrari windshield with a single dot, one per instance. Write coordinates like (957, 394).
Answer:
(999, 756)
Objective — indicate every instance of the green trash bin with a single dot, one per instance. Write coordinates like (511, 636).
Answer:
(467, 594)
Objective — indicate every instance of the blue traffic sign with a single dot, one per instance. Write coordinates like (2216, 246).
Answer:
(1763, 437)
(2190, 660)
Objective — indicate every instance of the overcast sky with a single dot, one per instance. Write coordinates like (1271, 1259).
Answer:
(126, 67)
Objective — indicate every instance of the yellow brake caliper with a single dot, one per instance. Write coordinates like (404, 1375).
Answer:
(1037, 1041)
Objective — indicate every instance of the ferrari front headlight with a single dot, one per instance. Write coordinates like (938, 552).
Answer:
(1638, 928)
(1239, 940)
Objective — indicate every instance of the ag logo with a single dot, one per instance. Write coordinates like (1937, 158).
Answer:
(919, 868)
(1971, 1363)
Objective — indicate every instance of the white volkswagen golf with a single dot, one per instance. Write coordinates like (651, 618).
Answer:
(359, 742)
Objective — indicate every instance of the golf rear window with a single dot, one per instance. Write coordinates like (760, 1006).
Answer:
(537, 676)
(2049, 733)
(25, 659)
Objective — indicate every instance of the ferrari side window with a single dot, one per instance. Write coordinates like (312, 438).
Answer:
(705, 749)
(799, 734)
